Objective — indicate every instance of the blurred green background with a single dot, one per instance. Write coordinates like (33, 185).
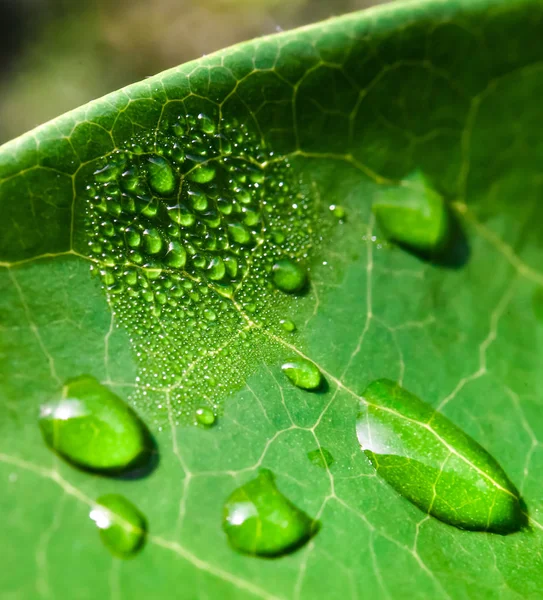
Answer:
(58, 54)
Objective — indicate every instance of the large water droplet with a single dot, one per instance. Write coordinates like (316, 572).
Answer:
(433, 463)
(259, 520)
(161, 177)
(93, 428)
(288, 276)
(303, 373)
(413, 214)
(122, 527)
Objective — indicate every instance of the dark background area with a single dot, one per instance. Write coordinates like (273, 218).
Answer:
(58, 54)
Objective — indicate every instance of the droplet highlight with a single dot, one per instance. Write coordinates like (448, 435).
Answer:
(259, 520)
(432, 463)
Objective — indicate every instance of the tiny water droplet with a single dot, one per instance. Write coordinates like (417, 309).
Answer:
(321, 457)
(259, 520)
(121, 525)
(93, 428)
(288, 276)
(303, 373)
(430, 461)
(288, 325)
(205, 416)
(337, 211)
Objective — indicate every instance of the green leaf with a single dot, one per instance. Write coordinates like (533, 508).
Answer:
(318, 123)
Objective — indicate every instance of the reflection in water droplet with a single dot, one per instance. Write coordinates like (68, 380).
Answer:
(303, 373)
(259, 520)
(288, 276)
(321, 457)
(433, 463)
(413, 214)
(122, 527)
(205, 416)
(93, 428)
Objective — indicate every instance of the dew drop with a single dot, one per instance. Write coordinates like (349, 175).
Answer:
(132, 237)
(93, 428)
(239, 233)
(259, 520)
(413, 214)
(161, 176)
(176, 256)
(288, 276)
(303, 374)
(288, 325)
(152, 240)
(202, 174)
(433, 463)
(217, 269)
(121, 525)
(205, 416)
(321, 457)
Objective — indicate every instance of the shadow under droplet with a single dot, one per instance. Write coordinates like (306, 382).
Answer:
(145, 464)
(454, 254)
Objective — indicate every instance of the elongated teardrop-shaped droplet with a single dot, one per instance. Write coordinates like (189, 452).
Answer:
(288, 276)
(413, 214)
(259, 520)
(161, 176)
(303, 373)
(433, 463)
(321, 457)
(122, 526)
(93, 428)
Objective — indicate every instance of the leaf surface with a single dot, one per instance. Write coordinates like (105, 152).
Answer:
(448, 89)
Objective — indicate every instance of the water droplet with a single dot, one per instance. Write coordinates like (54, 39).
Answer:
(132, 237)
(152, 240)
(93, 428)
(259, 520)
(205, 416)
(176, 256)
(122, 527)
(161, 176)
(288, 325)
(303, 373)
(413, 214)
(217, 269)
(321, 457)
(433, 463)
(239, 233)
(337, 211)
(288, 276)
(202, 174)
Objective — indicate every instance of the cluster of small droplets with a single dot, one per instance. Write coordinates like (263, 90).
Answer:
(184, 226)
